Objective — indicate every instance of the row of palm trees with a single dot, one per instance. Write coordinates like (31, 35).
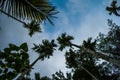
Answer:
(46, 49)
(40, 11)
(65, 41)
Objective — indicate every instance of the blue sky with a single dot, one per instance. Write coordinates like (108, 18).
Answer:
(79, 18)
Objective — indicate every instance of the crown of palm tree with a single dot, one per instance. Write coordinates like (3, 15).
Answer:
(33, 27)
(64, 40)
(45, 50)
(113, 8)
(89, 44)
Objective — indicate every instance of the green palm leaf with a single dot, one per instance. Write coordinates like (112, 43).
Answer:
(39, 10)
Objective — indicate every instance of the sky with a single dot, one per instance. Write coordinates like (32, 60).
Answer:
(79, 18)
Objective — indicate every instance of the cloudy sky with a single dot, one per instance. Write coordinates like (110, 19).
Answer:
(79, 18)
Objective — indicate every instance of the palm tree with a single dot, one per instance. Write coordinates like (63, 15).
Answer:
(113, 9)
(74, 61)
(65, 40)
(33, 27)
(82, 61)
(44, 50)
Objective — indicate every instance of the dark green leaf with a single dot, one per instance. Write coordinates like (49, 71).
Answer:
(13, 47)
(7, 50)
(24, 46)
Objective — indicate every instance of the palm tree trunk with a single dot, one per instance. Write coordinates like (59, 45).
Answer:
(27, 69)
(12, 17)
(99, 55)
(34, 62)
(89, 73)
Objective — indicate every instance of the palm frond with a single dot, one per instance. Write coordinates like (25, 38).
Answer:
(39, 10)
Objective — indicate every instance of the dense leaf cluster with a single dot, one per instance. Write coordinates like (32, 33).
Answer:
(13, 60)
(46, 49)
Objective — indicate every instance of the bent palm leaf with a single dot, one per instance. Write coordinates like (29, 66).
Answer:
(39, 10)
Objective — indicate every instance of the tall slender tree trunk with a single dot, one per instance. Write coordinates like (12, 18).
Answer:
(27, 70)
(99, 55)
(94, 77)
(90, 73)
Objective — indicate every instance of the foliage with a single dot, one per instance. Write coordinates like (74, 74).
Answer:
(37, 77)
(33, 27)
(110, 43)
(114, 8)
(64, 40)
(60, 76)
(35, 11)
(80, 61)
(39, 10)
(85, 65)
(46, 49)
(13, 60)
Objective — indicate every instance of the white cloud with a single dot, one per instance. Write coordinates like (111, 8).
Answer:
(91, 25)
(77, 6)
(50, 66)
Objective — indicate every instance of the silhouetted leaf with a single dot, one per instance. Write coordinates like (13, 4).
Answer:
(7, 50)
(24, 47)
(13, 47)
